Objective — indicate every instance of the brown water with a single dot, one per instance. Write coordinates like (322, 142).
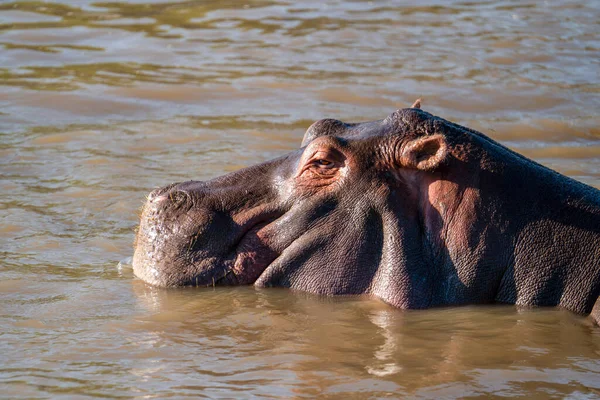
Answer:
(102, 101)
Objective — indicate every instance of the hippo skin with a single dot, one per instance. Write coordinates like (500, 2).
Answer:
(412, 209)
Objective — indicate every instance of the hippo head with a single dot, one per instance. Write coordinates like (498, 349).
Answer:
(348, 213)
(412, 209)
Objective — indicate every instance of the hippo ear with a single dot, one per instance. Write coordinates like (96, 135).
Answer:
(416, 104)
(425, 153)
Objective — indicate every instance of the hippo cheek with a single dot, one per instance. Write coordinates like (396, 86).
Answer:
(337, 255)
(364, 251)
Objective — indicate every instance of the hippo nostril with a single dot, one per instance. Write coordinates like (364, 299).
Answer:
(172, 199)
(156, 199)
(156, 194)
(178, 197)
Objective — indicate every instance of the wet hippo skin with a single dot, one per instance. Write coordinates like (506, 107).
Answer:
(413, 209)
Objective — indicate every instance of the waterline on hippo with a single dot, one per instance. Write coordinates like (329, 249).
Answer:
(413, 209)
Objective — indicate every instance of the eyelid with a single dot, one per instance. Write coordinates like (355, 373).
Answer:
(320, 154)
(329, 154)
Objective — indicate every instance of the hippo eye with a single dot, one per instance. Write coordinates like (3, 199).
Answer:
(323, 163)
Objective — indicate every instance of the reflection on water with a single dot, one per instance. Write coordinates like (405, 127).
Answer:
(102, 101)
(285, 344)
(384, 355)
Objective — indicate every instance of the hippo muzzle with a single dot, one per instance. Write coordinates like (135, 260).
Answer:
(189, 235)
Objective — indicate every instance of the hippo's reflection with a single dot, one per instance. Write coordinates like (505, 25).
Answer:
(306, 345)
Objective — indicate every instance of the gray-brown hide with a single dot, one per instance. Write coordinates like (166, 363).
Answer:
(412, 209)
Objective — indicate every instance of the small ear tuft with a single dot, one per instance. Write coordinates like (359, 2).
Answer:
(425, 153)
(416, 104)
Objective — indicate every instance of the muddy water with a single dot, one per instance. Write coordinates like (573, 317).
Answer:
(102, 101)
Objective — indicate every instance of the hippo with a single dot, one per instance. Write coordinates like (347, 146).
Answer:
(413, 209)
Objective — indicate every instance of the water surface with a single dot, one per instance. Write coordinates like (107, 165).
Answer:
(100, 102)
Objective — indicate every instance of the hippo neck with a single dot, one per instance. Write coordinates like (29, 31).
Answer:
(556, 256)
(540, 228)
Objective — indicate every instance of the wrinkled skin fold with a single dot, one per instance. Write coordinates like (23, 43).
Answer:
(413, 209)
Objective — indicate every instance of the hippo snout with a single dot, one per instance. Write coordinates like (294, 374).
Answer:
(194, 233)
(169, 228)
